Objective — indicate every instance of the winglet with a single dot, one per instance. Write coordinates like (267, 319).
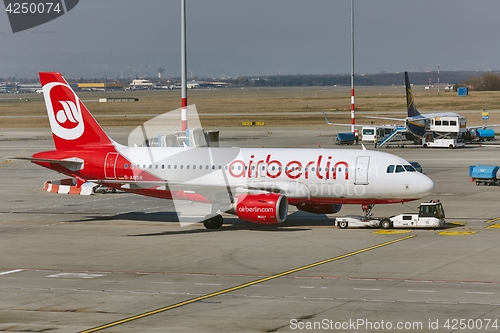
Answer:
(326, 119)
(410, 103)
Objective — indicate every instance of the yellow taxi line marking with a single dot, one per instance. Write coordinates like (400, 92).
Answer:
(493, 219)
(391, 232)
(241, 286)
(456, 233)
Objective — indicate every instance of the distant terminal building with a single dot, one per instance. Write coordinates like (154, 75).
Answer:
(101, 86)
(140, 84)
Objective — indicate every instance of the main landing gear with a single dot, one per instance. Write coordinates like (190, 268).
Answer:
(214, 222)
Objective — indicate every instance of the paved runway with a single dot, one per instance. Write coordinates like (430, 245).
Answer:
(121, 262)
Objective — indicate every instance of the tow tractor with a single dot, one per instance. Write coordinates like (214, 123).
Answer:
(430, 215)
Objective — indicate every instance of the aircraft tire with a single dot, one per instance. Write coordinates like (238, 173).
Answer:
(214, 222)
(386, 224)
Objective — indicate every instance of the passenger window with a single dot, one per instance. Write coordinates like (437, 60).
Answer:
(399, 168)
(187, 166)
(453, 123)
(390, 169)
(126, 166)
(446, 123)
(438, 122)
(182, 166)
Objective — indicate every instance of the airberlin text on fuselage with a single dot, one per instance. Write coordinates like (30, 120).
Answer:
(293, 169)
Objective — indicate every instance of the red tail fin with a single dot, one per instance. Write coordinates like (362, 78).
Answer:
(72, 124)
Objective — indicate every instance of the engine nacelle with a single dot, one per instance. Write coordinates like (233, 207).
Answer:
(320, 208)
(469, 135)
(263, 208)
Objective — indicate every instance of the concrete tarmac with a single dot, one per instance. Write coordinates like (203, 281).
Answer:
(122, 263)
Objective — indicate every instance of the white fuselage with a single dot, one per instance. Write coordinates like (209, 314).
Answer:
(343, 175)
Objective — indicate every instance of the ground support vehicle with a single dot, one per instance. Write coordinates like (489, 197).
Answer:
(429, 215)
(485, 134)
(484, 174)
(443, 143)
(356, 221)
(345, 138)
(103, 189)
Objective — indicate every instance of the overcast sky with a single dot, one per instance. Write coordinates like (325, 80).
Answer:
(257, 37)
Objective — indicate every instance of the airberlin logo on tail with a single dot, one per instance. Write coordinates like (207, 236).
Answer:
(63, 108)
(28, 14)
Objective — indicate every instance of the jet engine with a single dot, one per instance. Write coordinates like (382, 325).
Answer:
(262, 208)
(469, 135)
(320, 208)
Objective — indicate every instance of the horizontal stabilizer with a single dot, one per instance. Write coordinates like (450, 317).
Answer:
(65, 162)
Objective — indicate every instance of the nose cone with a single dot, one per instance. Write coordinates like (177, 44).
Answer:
(425, 185)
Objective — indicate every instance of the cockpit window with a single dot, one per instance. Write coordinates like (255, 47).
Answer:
(410, 168)
(399, 168)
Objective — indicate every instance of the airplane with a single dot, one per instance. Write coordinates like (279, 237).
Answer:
(256, 184)
(418, 125)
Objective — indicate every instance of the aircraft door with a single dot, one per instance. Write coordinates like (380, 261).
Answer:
(361, 173)
(110, 166)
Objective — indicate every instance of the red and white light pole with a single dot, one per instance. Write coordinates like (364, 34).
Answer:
(183, 68)
(352, 66)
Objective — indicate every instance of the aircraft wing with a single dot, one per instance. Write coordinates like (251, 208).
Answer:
(476, 127)
(386, 118)
(329, 123)
(361, 125)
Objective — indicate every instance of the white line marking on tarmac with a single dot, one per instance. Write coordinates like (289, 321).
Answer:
(368, 289)
(10, 272)
(422, 291)
(207, 284)
(479, 292)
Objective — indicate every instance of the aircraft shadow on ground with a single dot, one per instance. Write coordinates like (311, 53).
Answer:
(230, 224)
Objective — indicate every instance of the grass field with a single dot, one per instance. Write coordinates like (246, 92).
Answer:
(307, 102)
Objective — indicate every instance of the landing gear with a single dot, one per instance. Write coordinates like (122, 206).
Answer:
(214, 222)
(367, 209)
